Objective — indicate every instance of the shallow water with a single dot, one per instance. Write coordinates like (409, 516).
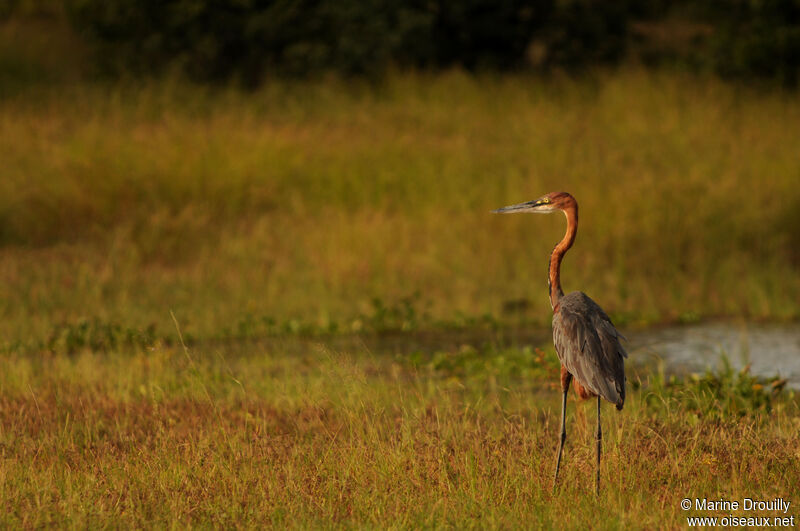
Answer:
(770, 349)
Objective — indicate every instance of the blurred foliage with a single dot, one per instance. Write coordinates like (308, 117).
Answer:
(404, 314)
(37, 8)
(587, 32)
(759, 39)
(98, 336)
(251, 40)
(224, 39)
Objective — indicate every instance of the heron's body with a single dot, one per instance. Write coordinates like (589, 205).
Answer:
(589, 349)
(587, 344)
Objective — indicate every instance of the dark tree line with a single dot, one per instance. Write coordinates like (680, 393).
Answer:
(251, 40)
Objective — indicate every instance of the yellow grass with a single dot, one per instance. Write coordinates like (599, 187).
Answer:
(307, 200)
(303, 436)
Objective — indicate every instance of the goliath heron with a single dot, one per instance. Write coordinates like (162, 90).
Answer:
(586, 341)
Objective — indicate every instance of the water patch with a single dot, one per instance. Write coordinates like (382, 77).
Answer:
(769, 349)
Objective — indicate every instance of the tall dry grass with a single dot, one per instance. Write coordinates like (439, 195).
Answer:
(307, 200)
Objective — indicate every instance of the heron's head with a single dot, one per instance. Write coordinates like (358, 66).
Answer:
(544, 205)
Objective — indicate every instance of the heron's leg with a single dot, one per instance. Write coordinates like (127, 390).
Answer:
(566, 378)
(598, 438)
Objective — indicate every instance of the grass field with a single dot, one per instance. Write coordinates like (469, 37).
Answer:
(282, 229)
(308, 201)
(301, 435)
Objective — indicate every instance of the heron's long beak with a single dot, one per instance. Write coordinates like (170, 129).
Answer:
(528, 206)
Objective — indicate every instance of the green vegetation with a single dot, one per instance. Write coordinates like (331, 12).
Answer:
(252, 40)
(299, 436)
(304, 202)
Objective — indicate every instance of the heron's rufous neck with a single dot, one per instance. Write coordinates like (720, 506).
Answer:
(571, 211)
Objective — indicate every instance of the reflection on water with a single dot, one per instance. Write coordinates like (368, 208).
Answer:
(770, 349)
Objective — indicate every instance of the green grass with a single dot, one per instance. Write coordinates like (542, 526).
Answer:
(299, 435)
(306, 201)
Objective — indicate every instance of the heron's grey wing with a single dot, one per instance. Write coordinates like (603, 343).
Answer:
(588, 345)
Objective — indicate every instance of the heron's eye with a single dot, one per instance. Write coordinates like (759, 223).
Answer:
(544, 200)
